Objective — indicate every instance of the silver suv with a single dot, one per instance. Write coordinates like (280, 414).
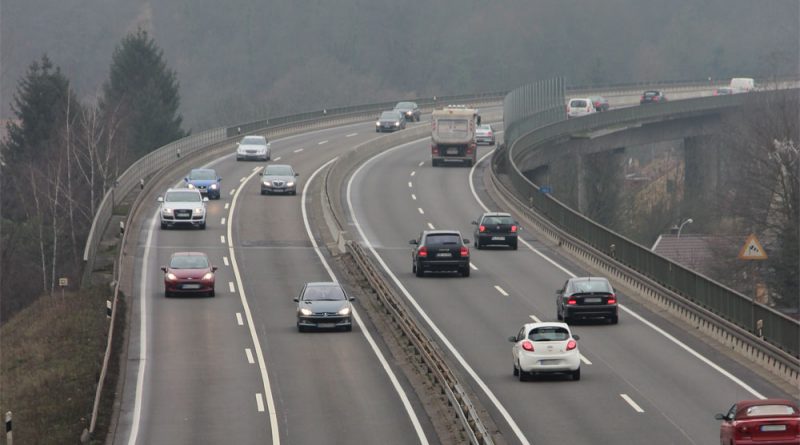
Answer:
(183, 207)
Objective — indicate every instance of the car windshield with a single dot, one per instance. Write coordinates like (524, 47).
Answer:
(498, 220)
(188, 262)
(323, 293)
(404, 105)
(390, 116)
(651, 93)
(769, 410)
(548, 333)
(444, 238)
(279, 170)
(577, 103)
(203, 174)
(254, 140)
(183, 197)
(591, 286)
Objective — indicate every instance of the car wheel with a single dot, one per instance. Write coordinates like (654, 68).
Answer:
(469, 163)
(167, 294)
(614, 319)
(516, 371)
(465, 271)
(559, 317)
(514, 246)
(523, 376)
(348, 328)
(163, 226)
(202, 226)
(301, 328)
(478, 243)
(212, 293)
(418, 270)
(566, 319)
(576, 374)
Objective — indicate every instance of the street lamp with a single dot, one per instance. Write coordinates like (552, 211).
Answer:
(688, 221)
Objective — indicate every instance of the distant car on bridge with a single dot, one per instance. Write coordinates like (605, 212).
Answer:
(409, 110)
(652, 97)
(580, 106)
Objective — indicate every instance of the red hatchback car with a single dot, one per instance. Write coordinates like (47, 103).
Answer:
(189, 273)
(763, 422)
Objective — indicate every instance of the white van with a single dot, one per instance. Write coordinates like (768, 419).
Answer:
(743, 84)
(580, 106)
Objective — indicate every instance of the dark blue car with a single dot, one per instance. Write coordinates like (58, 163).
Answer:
(205, 180)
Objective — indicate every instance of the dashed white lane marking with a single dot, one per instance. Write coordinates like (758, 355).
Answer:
(223, 221)
(431, 226)
(260, 402)
(239, 320)
(414, 197)
(410, 184)
(255, 169)
(277, 159)
(421, 212)
(225, 260)
(242, 179)
(633, 404)
(230, 286)
(501, 290)
(249, 355)
(422, 163)
(583, 359)
(222, 238)
(351, 135)
(322, 142)
(472, 266)
(227, 204)
(233, 190)
(298, 150)
(413, 172)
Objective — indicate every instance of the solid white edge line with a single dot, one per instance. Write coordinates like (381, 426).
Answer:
(472, 266)
(137, 404)
(495, 401)
(501, 290)
(668, 336)
(259, 402)
(239, 320)
(395, 383)
(249, 353)
(273, 415)
(633, 404)
(230, 286)
(225, 260)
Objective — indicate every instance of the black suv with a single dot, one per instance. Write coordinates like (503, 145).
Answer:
(409, 110)
(586, 297)
(440, 250)
(496, 228)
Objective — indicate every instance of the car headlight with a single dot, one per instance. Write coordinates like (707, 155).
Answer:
(396, 123)
(208, 276)
(268, 183)
(344, 311)
(191, 186)
(167, 211)
(290, 184)
(377, 124)
(171, 276)
(213, 186)
(198, 210)
(305, 311)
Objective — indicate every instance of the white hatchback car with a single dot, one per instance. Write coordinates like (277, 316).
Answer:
(544, 348)
(580, 106)
(254, 147)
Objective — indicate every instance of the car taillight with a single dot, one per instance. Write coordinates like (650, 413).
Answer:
(434, 149)
(641, 98)
(612, 299)
(489, 133)
(513, 229)
(423, 251)
(481, 228)
(742, 431)
(464, 251)
(528, 346)
(572, 301)
(572, 344)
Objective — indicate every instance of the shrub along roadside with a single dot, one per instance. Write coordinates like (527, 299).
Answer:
(50, 359)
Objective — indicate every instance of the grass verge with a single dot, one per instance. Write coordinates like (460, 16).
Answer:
(51, 354)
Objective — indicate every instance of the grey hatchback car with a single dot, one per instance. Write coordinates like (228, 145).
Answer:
(324, 305)
(279, 178)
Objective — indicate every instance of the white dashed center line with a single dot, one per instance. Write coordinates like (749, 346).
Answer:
(351, 135)
(249, 355)
(413, 173)
(322, 142)
(239, 320)
(431, 226)
(633, 404)
(223, 221)
(255, 169)
(277, 159)
(225, 260)
(421, 212)
(227, 204)
(414, 197)
(298, 150)
(409, 184)
(222, 239)
(233, 190)
(242, 179)
(500, 289)
(422, 163)
(473, 267)
(230, 286)
(260, 402)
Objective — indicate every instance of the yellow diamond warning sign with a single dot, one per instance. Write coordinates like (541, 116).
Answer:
(752, 249)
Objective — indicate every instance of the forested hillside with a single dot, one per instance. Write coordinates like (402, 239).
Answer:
(241, 59)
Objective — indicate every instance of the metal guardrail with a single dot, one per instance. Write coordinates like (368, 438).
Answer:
(429, 355)
(777, 328)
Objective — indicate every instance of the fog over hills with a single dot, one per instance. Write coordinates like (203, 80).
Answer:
(243, 59)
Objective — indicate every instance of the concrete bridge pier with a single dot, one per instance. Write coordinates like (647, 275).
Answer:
(702, 176)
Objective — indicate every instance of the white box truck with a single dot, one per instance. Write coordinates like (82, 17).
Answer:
(453, 136)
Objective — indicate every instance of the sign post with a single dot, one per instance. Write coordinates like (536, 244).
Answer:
(753, 251)
(62, 283)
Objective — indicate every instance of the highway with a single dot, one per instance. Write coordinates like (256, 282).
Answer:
(234, 368)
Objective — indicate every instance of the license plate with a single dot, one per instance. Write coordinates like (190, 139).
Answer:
(549, 362)
(326, 325)
(452, 151)
(592, 300)
(498, 238)
(276, 189)
(768, 428)
(444, 255)
(191, 286)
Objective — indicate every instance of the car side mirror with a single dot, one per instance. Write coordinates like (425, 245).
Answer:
(164, 269)
(413, 241)
(352, 298)
(721, 417)
(205, 198)
(185, 179)
(260, 174)
(296, 175)
(512, 339)
(214, 268)
(219, 178)
(296, 300)
(559, 291)
(466, 241)
(474, 223)
(576, 337)
(160, 199)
